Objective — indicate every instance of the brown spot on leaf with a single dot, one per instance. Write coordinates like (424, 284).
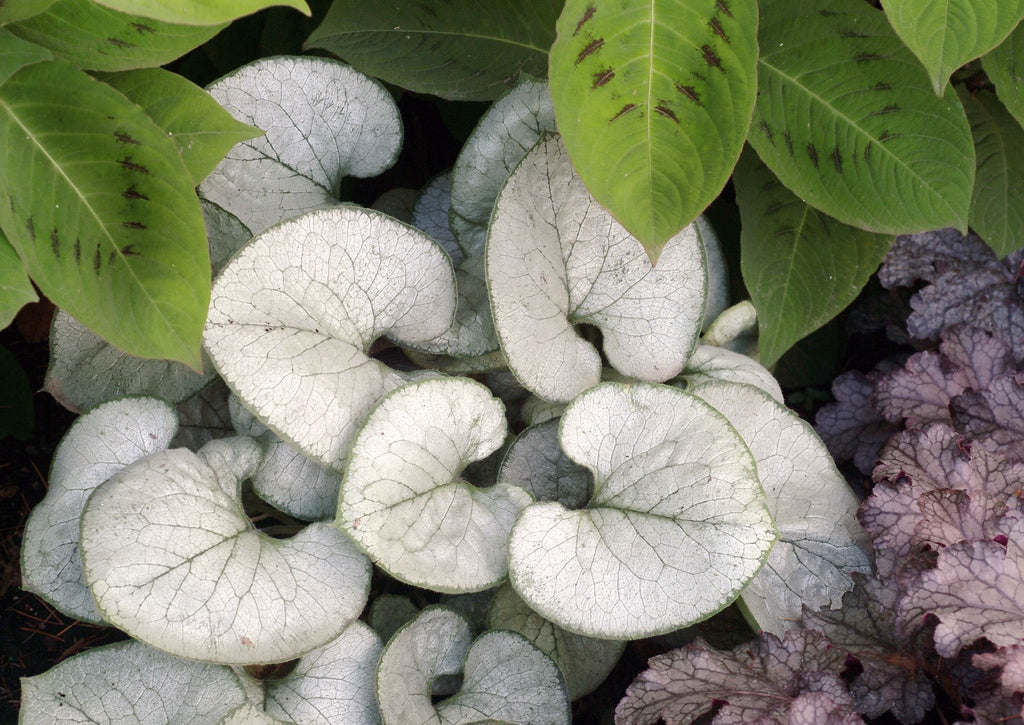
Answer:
(129, 165)
(789, 141)
(587, 15)
(767, 131)
(128, 250)
(134, 225)
(711, 58)
(885, 109)
(717, 29)
(849, 34)
(690, 92)
(31, 227)
(881, 86)
(886, 136)
(592, 47)
(867, 152)
(602, 77)
(78, 250)
(96, 261)
(134, 194)
(665, 111)
(622, 112)
(866, 57)
(837, 160)
(723, 7)
(119, 43)
(812, 154)
(55, 243)
(142, 29)
(124, 137)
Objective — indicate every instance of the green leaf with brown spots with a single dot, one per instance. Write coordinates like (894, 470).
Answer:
(198, 12)
(847, 119)
(102, 211)
(801, 267)
(462, 50)
(98, 38)
(945, 35)
(199, 126)
(997, 208)
(653, 100)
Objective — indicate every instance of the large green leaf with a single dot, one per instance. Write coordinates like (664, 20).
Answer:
(461, 50)
(16, 53)
(846, 118)
(1005, 68)
(654, 100)
(802, 267)
(997, 209)
(15, 287)
(200, 127)
(198, 12)
(91, 36)
(945, 35)
(102, 211)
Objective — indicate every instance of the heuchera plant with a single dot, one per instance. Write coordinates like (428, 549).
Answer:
(653, 480)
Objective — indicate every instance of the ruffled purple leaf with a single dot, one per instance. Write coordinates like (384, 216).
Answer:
(968, 285)
(920, 391)
(865, 626)
(976, 590)
(994, 416)
(851, 427)
(760, 681)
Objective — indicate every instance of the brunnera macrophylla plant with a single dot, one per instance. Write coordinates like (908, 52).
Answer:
(368, 380)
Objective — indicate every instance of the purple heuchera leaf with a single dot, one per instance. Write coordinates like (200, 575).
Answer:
(934, 489)
(994, 416)
(1011, 660)
(921, 391)
(968, 285)
(866, 627)
(976, 590)
(851, 427)
(760, 681)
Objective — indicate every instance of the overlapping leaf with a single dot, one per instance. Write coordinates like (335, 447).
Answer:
(654, 102)
(403, 501)
(676, 527)
(459, 50)
(556, 258)
(1005, 68)
(131, 682)
(505, 677)
(295, 312)
(16, 53)
(100, 38)
(323, 120)
(15, 287)
(97, 446)
(801, 266)
(171, 558)
(946, 35)
(846, 118)
(198, 12)
(996, 214)
(110, 229)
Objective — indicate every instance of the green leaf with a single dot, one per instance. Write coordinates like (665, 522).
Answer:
(15, 286)
(801, 266)
(94, 37)
(198, 12)
(997, 209)
(654, 100)
(13, 10)
(199, 126)
(1005, 68)
(16, 53)
(461, 50)
(846, 118)
(945, 35)
(102, 211)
